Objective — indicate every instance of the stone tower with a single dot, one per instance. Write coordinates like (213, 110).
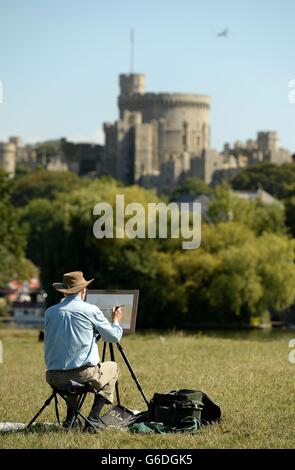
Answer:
(132, 84)
(8, 156)
(267, 141)
(157, 136)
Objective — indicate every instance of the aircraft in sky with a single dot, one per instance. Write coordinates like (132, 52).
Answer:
(223, 34)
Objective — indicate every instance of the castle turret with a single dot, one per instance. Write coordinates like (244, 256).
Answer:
(267, 141)
(8, 157)
(154, 128)
(132, 84)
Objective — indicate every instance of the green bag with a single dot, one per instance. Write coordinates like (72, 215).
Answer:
(173, 407)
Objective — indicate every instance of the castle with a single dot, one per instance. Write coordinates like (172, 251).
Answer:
(158, 139)
(163, 137)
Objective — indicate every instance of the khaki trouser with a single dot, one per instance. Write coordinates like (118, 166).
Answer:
(102, 377)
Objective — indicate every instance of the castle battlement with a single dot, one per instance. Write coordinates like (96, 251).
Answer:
(166, 99)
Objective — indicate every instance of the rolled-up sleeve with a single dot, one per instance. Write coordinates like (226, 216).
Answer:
(109, 332)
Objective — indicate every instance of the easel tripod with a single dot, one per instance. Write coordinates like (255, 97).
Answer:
(123, 354)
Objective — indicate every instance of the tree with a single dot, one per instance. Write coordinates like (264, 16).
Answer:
(13, 242)
(278, 180)
(236, 275)
(36, 219)
(260, 217)
(236, 287)
(191, 187)
(44, 184)
(276, 270)
(290, 214)
(6, 186)
(15, 267)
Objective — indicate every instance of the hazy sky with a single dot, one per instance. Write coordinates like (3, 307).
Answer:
(60, 60)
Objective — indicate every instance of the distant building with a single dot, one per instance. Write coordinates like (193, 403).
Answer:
(29, 307)
(241, 155)
(8, 156)
(82, 158)
(157, 135)
(204, 200)
(56, 163)
(163, 137)
(14, 152)
(158, 139)
(259, 195)
(25, 300)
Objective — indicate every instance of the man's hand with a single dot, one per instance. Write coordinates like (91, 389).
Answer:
(117, 314)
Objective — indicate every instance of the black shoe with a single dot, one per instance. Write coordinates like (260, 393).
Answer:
(97, 423)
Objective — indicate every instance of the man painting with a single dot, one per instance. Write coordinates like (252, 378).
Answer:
(71, 353)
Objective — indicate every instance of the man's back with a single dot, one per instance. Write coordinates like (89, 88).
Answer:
(70, 334)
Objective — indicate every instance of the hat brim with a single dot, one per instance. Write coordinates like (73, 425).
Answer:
(60, 287)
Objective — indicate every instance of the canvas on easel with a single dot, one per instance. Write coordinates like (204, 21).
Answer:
(106, 299)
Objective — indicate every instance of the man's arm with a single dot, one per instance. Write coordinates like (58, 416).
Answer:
(111, 333)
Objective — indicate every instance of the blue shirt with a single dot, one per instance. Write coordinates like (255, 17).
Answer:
(70, 331)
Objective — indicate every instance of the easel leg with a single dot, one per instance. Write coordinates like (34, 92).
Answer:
(132, 373)
(113, 359)
(128, 366)
(104, 352)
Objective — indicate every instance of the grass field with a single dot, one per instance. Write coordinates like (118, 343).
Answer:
(250, 378)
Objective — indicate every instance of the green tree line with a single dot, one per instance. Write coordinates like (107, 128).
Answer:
(243, 268)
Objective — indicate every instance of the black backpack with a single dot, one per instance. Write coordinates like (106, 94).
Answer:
(174, 407)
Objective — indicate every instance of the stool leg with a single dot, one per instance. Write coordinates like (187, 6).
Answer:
(79, 406)
(47, 402)
(79, 412)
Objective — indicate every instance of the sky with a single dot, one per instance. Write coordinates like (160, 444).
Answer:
(60, 61)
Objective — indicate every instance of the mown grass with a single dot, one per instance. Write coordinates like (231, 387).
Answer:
(250, 379)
